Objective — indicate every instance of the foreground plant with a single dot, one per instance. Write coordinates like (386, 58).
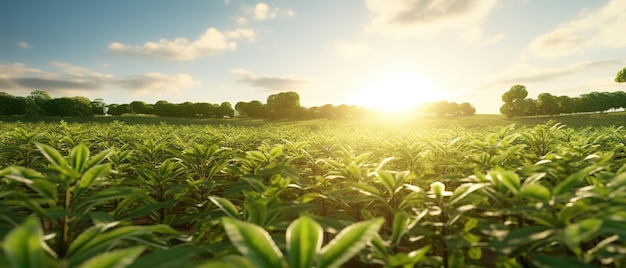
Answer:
(303, 243)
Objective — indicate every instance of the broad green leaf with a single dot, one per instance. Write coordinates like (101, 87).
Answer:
(510, 180)
(399, 228)
(572, 180)
(86, 236)
(387, 180)
(97, 159)
(348, 243)
(79, 156)
(253, 242)
(579, 232)
(90, 176)
(535, 191)
(256, 155)
(304, 241)
(105, 195)
(106, 240)
(114, 259)
(53, 156)
(226, 206)
(456, 259)
(23, 245)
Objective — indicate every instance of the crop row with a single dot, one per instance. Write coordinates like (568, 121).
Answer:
(165, 195)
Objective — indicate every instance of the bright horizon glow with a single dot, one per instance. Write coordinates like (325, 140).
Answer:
(397, 92)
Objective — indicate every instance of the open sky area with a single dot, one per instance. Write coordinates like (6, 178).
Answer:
(384, 53)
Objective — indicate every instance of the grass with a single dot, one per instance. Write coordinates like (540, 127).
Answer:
(475, 121)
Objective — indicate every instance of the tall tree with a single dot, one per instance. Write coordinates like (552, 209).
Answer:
(36, 103)
(621, 76)
(11, 105)
(284, 104)
(514, 104)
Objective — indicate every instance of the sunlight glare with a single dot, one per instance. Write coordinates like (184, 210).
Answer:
(397, 92)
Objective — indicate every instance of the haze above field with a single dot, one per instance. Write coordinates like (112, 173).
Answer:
(386, 53)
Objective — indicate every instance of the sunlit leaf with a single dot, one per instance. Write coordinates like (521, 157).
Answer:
(348, 243)
(304, 241)
(253, 242)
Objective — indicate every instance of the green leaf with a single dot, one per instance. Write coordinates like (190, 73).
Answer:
(579, 232)
(348, 243)
(23, 245)
(387, 180)
(226, 206)
(510, 180)
(535, 191)
(97, 159)
(304, 241)
(253, 242)
(572, 180)
(106, 240)
(53, 156)
(400, 224)
(90, 176)
(114, 259)
(408, 259)
(79, 156)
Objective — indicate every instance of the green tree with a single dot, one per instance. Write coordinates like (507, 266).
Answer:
(467, 109)
(225, 110)
(283, 105)
(514, 104)
(36, 103)
(98, 106)
(546, 104)
(621, 76)
(11, 105)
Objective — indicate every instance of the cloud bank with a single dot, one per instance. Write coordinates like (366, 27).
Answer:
(418, 17)
(210, 43)
(79, 80)
(268, 83)
(602, 28)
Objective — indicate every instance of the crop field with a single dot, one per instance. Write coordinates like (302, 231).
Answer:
(119, 194)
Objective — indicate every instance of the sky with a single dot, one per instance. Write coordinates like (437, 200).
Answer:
(390, 54)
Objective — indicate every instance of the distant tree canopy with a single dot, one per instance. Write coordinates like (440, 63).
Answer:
(514, 101)
(516, 104)
(283, 105)
(621, 76)
(443, 108)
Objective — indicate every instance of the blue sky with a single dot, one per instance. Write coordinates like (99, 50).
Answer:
(385, 53)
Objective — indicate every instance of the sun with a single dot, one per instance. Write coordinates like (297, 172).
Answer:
(397, 92)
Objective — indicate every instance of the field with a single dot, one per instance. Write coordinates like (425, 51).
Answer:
(479, 191)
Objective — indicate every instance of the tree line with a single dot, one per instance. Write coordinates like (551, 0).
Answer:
(283, 105)
(517, 104)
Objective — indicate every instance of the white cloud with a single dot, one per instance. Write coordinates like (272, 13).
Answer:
(524, 72)
(23, 45)
(157, 84)
(15, 70)
(419, 17)
(592, 30)
(72, 80)
(210, 43)
(495, 39)
(267, 82)
(81, 72)
(262, 11)
(351, 49)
